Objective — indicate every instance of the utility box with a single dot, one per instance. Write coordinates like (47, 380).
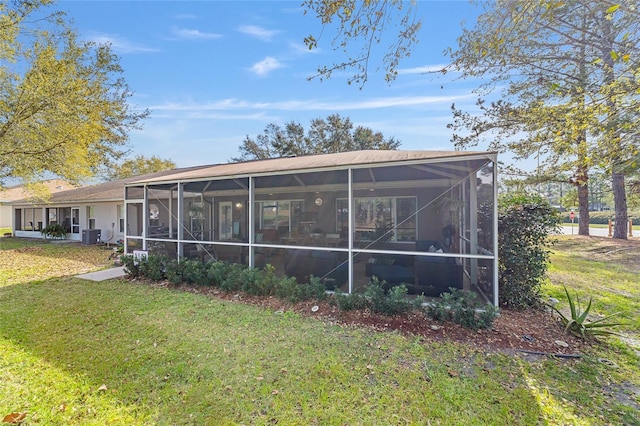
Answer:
(91, 236)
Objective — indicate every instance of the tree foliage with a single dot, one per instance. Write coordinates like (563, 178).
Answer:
(63, 102)
(139, 165)
(333, 134)
(361, 25)
(524, 224)
(568, 77)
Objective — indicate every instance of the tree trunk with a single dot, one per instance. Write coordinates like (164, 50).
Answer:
(613, 131)
(583, 208)
(620, 203)
(582, 185)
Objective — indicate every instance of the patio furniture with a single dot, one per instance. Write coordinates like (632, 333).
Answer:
(302, 264)
(436, 274)
(392, 269)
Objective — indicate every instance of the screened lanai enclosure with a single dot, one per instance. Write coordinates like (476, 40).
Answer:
(425, 219)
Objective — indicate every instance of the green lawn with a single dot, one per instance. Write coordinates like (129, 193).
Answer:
(125, 353)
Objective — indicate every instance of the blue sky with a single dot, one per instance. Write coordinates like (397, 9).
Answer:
(213, 72)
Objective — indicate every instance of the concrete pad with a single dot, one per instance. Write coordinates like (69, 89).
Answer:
(105, 274)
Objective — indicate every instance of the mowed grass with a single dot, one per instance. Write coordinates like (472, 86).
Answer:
(593, 268)
(125, 353)
(28, 260)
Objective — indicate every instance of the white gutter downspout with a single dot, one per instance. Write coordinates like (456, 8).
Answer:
(145, 216)
(250, 214)
(351, 228)
(496, 284)
(180, 219)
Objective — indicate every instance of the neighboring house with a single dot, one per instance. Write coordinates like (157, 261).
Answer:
(99, 208)
(19, 192)
(425, 219)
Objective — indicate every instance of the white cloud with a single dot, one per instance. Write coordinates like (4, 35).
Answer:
(310, 105)
(189, 34)
(301, 48)
(120, 44)
(258, 32)
(422, 70)
(265, 66)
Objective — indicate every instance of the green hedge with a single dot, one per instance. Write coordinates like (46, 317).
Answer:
(601, 218)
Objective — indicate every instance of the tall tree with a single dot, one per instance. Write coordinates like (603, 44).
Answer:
(333, 134)
(567, 73)
(63, 103)
(139, 165)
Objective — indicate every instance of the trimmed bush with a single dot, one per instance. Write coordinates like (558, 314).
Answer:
(374, 298)
(600, 218)
(351, 302)
(217, 272)
(462, 307)
(153, 267)
(232, 281)
(131, 265)
(174, 271)
(525, 223)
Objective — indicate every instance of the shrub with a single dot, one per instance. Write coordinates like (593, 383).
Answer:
(54, 230)
(374, 292)
(462, 307)
(131, 265)
(351, 302)
(259, 282)
(486, 315)
(314, 290)
(397, 302)
(217, 272)
(174, 271)
(194, 272)
(152, 267)
(601, 218)
(186, 271)
(232, 280)
(287, 289)
(393, 302)
(524, 225)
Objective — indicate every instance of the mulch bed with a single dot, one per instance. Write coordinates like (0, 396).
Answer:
(532, 331)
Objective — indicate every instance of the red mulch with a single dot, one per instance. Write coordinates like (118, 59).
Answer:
(535, 330)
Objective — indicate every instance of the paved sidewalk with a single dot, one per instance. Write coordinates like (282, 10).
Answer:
(105, 274)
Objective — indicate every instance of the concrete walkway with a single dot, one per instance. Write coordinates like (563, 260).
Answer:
(105, 274)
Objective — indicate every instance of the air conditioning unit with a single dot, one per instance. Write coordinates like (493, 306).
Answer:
(91, 236)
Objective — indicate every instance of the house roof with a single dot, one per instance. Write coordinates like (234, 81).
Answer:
(307, 162)
(114, 191)
(108, 191)
(19, 192)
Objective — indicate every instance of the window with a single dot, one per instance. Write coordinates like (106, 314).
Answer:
(120, 214)
(30, 220)
(52, 216)
(91, 217)
(286, 216)
(392, 218)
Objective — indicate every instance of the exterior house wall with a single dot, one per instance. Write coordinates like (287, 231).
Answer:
(105, 219)
(5, 215)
